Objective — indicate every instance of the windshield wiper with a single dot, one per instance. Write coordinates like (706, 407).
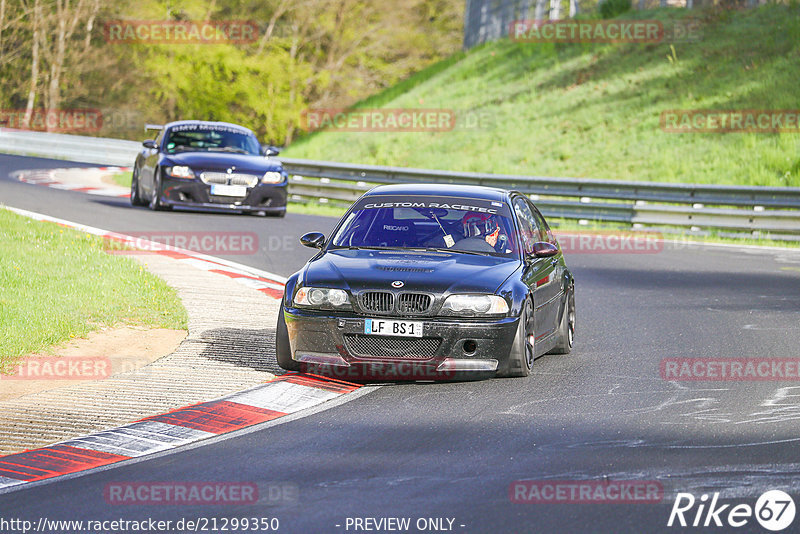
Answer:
(439, 249)
(237, 150)
(360, 247)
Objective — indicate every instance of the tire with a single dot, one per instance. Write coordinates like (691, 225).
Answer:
(283, 351)
(136, 196)
(520, 360)
(276, 215)
(566, 329)
(155, 201)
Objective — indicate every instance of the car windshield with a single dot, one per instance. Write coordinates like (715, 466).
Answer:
(472, 226)
(196, 138)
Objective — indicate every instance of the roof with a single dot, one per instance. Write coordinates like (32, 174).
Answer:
(446, 190)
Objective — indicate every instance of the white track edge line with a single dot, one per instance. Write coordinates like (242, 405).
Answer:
(321, 407)
(100, 232)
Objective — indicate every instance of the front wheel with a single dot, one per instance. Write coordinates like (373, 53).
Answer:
(566, 329)
(136, 197)
(155, 200)
(520, 359)
(283, 351)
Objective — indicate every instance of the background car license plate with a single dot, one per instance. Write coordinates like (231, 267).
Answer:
(384, 327)
(229, 190)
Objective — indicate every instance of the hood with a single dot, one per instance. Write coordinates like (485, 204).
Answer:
(223, 161)
(431, 272)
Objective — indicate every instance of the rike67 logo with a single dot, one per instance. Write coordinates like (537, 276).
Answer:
(774, 510)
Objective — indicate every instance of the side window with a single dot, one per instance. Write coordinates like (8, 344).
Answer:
(527, 223)
(544, 229)
(159, 138)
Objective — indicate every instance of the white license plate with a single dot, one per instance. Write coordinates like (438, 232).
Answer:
(385, 327)
(229, 190)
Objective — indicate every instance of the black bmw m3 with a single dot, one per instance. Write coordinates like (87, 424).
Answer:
(210, 166)
(427, 282)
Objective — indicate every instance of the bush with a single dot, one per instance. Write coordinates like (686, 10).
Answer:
(611, 8)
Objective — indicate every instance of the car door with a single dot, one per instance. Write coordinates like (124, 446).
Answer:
(538, 272)
(556, 288)
(149, 164)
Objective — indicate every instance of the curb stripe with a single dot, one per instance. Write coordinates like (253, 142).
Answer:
(47, 178)
(319, 382)
(139, 439)
(217, 417)
(284, 395)
(53, 461)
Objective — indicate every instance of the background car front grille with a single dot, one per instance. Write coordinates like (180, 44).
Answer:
(223, 178)
(217, 199)
(377, 301)
(413, 302)
(404, 348)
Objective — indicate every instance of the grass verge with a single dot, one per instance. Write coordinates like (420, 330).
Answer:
(593, 110)
(59, 284)
(122, 178)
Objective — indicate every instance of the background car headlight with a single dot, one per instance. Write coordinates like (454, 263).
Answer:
(180, 171)
(475, 305)
(272, 177)
(319, 297)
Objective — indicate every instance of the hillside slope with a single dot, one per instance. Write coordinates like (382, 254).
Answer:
(592, 110)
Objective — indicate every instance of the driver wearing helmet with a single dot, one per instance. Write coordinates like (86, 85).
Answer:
(483, 225)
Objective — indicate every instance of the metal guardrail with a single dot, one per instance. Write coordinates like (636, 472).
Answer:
(648, 203)
(117, 152)
(774, 210)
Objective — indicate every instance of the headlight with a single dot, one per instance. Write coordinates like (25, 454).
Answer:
(180, 171)
(318, 297)
(474, 305)
(272, 177)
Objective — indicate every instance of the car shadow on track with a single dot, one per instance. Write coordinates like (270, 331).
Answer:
(253, 349)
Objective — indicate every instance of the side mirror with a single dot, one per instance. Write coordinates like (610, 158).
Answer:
(313, 240)
(269, 150)
(543, 249)
(150, 144)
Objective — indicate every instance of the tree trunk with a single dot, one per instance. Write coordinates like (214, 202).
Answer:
(539, 11)
(555, 9)
(37, 24)
(2, 23)
(573, 8)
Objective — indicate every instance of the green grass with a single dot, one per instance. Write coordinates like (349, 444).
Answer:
(122, 178)
(592, 110)
(59, 284)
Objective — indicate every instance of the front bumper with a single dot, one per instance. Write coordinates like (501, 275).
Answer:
(269, 198)
(327, 344)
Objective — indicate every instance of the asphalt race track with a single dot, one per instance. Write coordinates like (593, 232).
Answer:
(453, 450)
